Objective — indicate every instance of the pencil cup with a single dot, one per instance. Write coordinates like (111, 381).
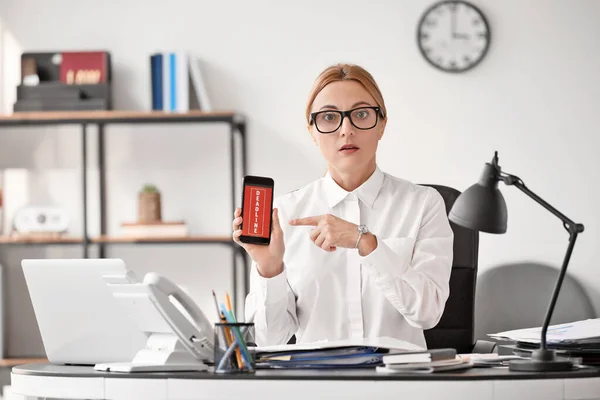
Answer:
(232, 353)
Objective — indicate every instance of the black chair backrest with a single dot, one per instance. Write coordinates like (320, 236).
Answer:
(456, 328)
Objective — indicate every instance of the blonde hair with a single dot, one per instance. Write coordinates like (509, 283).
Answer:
(346, 72)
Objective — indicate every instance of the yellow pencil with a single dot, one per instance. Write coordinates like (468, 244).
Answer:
(226, 332)
(238, 353)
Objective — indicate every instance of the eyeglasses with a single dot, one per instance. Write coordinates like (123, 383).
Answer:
(329, 121)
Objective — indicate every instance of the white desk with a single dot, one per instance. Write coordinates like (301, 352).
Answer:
(32, 381)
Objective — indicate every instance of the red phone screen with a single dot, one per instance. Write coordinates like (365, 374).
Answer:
(257, 211)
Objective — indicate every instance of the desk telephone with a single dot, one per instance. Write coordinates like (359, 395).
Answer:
(175, 342)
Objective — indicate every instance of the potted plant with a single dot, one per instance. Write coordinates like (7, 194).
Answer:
(149, 205)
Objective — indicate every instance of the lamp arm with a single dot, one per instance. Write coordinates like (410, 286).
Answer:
(511, 180)
(556, 291)
(573, 229)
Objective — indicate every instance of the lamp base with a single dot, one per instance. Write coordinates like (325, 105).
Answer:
(542, 360)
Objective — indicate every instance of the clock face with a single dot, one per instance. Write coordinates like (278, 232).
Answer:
(453, 36)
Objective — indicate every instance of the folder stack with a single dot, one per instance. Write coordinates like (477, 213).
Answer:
(327, 358)
(360, 353)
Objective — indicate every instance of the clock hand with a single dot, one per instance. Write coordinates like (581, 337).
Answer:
(453, 20)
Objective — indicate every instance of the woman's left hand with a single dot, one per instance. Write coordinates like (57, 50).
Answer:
(330, 232)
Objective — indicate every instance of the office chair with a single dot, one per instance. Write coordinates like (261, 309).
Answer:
(456, 328)
(528, 284)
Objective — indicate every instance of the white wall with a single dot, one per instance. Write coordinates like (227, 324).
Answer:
(534, 98)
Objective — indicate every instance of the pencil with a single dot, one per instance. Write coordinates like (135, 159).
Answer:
(224, 334)
(237, 351)
(229, 308)
(217, 305)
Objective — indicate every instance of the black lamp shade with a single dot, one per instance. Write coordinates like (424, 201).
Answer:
(481, 207)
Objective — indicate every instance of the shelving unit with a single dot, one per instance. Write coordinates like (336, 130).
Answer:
(166, 240)
(18, 240)
(101, 119)
(11, 362)
(116, 240)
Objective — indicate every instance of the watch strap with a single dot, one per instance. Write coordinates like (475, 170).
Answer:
(361, 230)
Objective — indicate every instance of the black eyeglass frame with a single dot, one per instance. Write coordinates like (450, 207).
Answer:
(345, 114)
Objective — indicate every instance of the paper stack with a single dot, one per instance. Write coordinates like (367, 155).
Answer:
(573, 333)
(579, 339)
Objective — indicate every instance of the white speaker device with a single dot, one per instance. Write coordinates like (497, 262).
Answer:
(41, 220)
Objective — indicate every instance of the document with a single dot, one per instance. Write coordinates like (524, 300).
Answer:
(578, 332)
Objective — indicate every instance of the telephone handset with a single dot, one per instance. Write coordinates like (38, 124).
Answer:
(197, 338)
(175, 342)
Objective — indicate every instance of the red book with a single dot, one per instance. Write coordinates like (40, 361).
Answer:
(84, 67)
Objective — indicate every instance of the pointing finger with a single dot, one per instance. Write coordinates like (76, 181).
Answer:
(307, 221)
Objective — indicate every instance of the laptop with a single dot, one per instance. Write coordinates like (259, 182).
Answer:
(78, 317)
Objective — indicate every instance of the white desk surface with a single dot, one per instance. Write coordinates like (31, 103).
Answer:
(33, 381)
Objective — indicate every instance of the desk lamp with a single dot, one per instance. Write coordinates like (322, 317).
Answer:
(482, 208)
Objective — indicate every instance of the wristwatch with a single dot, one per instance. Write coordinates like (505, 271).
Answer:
(362, 229)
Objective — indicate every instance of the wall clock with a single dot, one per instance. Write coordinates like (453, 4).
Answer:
(453, 36)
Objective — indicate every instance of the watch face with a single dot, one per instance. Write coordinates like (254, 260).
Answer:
(453, 36)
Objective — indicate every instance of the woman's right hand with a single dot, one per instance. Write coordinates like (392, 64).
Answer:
(269, 259)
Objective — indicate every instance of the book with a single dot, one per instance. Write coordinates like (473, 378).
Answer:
(198, 85)
(156, 76)
(158, 229)
(172, 82)
(182, 90)
(454, 364)
(419, 356)
(84, 67)
(166, 81)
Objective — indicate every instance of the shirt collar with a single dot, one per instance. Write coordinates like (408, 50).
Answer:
(367, 192)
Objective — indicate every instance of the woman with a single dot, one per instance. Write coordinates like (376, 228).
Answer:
(358, 253)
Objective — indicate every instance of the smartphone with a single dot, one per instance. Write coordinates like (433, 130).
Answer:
(257, 210)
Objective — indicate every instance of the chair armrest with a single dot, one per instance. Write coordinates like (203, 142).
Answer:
(485, 346)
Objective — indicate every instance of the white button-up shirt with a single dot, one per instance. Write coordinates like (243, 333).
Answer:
(397, 290)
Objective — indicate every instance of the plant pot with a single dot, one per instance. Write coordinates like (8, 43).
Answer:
(149, 207)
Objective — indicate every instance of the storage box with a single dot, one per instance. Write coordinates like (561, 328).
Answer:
(63, 81)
